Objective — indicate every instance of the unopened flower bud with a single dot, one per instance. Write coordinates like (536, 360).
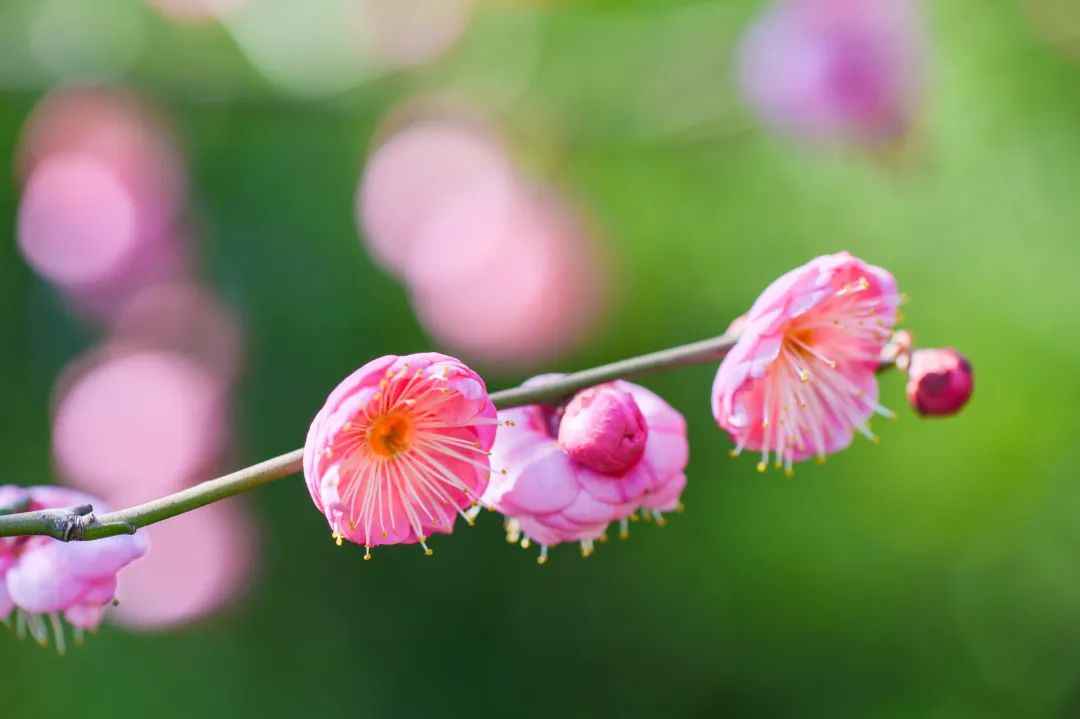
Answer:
(603, 429)
(940, 381)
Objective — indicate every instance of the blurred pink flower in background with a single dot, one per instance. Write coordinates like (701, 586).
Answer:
(185, 318)
(117, 129)
(399, 449)
(77, 223)
(506, 275)
(415, 171)
(552, 491)
(835, 69)
(199, 563)
(104, 188)
(801, 379)
(42, 576)
(498, 269)
(133, 424)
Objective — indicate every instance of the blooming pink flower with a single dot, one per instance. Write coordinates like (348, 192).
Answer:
(43, 576)
(940, 382)
(399, 448)
(802, 376)
(834, 68)
(567, 485)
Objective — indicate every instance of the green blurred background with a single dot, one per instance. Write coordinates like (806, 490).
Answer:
(935, 575)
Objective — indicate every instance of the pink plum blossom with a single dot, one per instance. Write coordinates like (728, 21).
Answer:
(940, 382)
(505, 274)
(399, 449)
(44, 577)
(801, 379)
(834, 69)
(551, 490)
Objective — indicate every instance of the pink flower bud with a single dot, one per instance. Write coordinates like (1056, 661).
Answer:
(603, 429)
(940, 382)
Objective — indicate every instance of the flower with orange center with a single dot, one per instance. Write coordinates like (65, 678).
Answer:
(400, 449)
(801, 380)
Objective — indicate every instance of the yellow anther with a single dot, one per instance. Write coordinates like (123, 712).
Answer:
(789, 472)
(541, 559)
(761, 466)
(660, 521)
(733, 453)
(821, 459)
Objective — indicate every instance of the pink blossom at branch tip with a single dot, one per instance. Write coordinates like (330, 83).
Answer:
(940, 382)
(801, 379)
(548, 494)
(399, 449)
(834, 69)
(43, 577)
